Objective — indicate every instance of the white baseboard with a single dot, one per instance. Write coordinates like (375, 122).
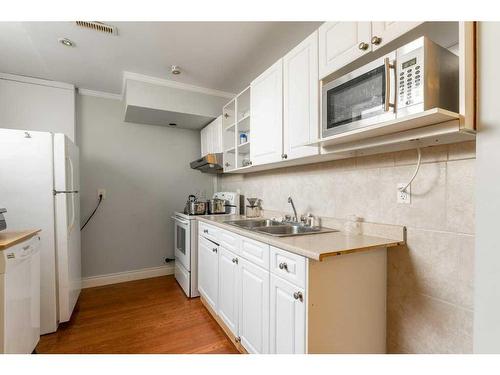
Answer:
(121, 277)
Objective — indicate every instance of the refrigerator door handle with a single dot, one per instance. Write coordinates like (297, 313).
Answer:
(70, 227)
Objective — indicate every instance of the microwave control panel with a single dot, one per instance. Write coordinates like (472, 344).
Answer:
(410, 79)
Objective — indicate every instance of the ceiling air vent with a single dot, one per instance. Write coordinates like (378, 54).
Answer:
(98, 26)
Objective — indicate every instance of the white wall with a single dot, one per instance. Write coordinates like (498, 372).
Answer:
(34, 104)
(487, 268)
(145, 171)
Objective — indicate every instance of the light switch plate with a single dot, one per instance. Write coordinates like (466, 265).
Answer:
(403, 197)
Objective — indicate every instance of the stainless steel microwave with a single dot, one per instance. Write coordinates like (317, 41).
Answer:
(414, 78)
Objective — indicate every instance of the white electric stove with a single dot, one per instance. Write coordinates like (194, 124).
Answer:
(186, 244)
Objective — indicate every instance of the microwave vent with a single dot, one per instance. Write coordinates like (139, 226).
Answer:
(98, 26)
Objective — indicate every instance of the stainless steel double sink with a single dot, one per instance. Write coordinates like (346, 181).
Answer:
(277, 228)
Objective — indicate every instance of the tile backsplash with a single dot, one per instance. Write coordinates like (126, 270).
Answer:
(430, 280)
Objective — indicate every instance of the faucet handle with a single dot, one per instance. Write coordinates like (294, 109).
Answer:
(288, 217)
(309, 219)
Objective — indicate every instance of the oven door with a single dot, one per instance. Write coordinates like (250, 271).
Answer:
(182, 242)
(363, 97)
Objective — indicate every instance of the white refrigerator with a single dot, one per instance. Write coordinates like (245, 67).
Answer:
(39, 185)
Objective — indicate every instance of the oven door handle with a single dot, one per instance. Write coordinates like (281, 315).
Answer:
(388, 85)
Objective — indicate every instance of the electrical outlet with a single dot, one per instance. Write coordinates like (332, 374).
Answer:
(404, 197)
(101, 192)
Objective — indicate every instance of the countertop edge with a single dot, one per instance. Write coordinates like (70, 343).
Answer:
(361, 249)
(18, 237)
(384, 242)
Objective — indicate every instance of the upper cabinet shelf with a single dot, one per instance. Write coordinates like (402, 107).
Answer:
(236, 115)
(426, 118)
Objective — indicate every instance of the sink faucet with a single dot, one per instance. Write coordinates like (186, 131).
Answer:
(295, 217)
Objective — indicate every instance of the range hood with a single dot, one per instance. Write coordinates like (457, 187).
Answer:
(210, 163)
(153, 101)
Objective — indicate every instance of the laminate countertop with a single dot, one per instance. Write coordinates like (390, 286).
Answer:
(11, 238)
(313, 246)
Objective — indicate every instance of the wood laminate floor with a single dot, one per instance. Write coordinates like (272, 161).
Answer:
(143, 316)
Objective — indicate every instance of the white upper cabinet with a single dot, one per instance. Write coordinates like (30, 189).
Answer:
(217, 135)
(211, 137)
(254, 308)
(204, 141)
(228, 289)
(385, 32)
(340, 43)
(288, 318)
(301, 99)
(266, 111)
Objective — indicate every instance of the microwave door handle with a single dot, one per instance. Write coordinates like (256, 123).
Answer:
(388, 86)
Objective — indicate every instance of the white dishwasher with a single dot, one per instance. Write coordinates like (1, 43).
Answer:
(20, 297)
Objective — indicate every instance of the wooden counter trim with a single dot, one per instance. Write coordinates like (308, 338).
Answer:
(11, 238)
(361, 249)
(224, 327)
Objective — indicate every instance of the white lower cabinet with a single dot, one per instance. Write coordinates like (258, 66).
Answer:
(287, 318)
(269, 300)
(228, 289)
(254, 307)
(235, 281)
(208, 271)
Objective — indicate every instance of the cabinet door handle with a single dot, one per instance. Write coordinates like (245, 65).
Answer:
(205, 231)
(235, 260)
(283, 266)
(284, 156)
(214, 250)
(237, 339)
(363, 46)
(299, 296)
(376, 40)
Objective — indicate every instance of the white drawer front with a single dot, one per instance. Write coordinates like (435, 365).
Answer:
(229, 240)
(209, 231)
(182, 277)
(255, 252)
(289, 266)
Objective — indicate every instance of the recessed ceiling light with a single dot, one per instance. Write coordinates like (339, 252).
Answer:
(175, 69)
(66, 42)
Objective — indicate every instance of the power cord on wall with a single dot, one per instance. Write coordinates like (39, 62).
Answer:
(419, 160)
(93, 212)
